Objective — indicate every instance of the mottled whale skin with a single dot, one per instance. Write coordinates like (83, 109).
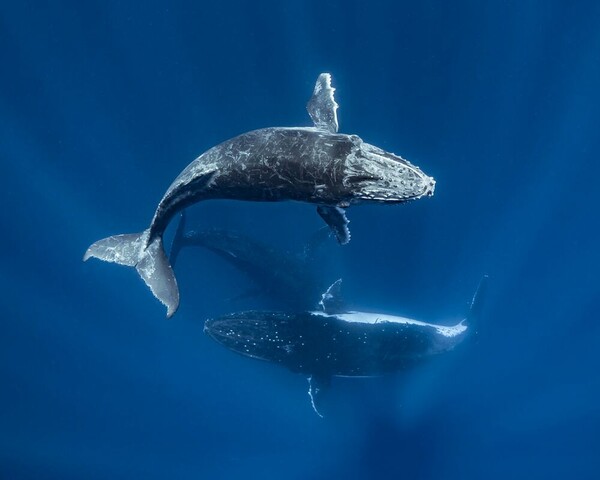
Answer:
(308, 164)
(323, 343)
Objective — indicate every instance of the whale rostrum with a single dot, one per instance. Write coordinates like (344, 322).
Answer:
(309, 164)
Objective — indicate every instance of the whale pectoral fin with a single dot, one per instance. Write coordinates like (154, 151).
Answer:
(317, 384)
(322, 106)
(335, 217)
(331, 301)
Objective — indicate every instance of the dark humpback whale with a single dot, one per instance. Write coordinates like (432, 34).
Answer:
(308, 164)
(333, 342)
(289, 280)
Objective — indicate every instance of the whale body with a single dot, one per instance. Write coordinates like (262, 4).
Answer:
(332, 342)
(309, 164)
(289, 280)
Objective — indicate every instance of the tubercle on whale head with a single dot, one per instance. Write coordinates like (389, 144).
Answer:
(375, 175)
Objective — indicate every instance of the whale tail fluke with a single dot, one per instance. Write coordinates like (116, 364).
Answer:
(149, 259)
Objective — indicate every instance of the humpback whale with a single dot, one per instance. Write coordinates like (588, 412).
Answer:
(333, 341)
(309, 164)
(289, 280)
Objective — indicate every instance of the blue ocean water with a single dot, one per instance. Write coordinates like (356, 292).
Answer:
(103, 103)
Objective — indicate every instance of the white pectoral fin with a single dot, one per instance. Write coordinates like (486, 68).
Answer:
(322, 106)
(331, 301)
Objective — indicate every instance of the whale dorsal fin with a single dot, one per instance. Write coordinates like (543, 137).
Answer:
(331, 301)
(322, 107)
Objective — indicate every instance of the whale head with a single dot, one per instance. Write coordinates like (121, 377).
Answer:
(270, 336)
(374, 175)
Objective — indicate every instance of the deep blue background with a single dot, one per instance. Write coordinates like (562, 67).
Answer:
(102, 103)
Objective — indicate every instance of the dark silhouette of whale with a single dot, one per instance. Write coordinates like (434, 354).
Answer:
(335, 342)
(308, 164)
(289, 280)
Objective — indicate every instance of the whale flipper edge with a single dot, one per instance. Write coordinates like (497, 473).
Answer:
(322, 106)
(331, 302)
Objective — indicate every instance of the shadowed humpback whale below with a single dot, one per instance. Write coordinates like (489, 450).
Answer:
(308, 164)
(333, 341)
(288, 280)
